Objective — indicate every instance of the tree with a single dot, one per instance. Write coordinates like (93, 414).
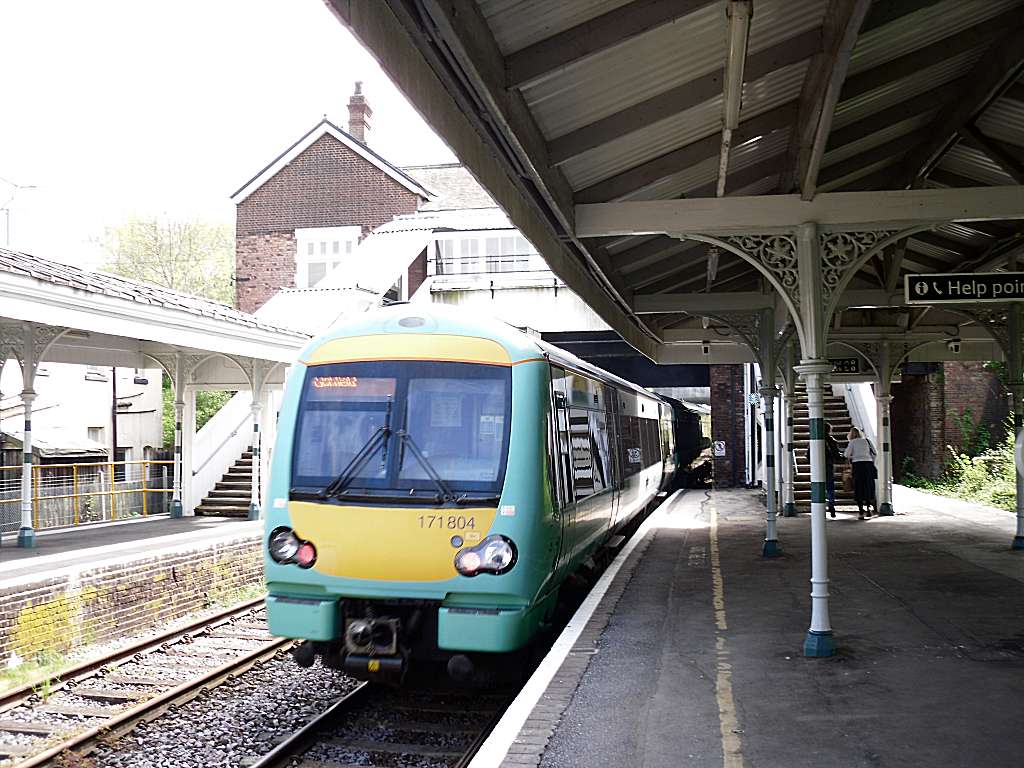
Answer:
(187, 256)
(207, 405)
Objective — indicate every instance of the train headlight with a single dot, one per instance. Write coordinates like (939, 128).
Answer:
(283, 544)
(495, 555)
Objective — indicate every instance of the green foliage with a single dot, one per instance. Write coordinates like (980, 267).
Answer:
(207, 404)
(988, 478)
(187, 256)
(975, 437)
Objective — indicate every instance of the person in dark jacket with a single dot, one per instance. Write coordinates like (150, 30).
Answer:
(833, 456)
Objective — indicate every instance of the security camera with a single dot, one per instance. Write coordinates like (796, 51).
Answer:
(705, 348)
(953, 345)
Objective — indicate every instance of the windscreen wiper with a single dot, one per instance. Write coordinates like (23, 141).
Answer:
(465, 498)
(406, 439)
(379, 439)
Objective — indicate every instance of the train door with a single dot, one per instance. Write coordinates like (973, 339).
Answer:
(562, 447)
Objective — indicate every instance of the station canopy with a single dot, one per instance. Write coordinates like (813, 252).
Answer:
(628, 138)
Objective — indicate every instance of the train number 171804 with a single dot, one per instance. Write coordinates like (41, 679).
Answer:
(448, 522)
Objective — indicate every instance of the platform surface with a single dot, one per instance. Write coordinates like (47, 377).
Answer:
(928, 613)
(91, 544)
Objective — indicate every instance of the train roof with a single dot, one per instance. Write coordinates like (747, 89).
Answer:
(434, 318)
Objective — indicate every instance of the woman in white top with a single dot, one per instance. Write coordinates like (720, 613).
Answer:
(861, 454)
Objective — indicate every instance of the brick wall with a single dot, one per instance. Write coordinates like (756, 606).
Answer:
(328, 185)
(56, 614)
(972, 389)
(727, 423)
(266, 264)
(926, 409)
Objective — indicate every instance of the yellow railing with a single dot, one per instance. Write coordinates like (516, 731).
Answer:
(84, 492)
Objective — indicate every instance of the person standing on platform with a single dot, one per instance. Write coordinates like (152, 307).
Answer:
(832, 457)
(861, 454)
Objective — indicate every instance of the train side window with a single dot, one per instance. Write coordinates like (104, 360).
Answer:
(602, 443)
(563, 458)
(584, 475)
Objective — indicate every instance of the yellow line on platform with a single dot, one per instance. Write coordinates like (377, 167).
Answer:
(732, 751)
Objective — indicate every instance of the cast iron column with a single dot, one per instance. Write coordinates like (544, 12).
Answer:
(814, 368)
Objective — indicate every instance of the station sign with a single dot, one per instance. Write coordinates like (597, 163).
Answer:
(845, 364)
(964, 288)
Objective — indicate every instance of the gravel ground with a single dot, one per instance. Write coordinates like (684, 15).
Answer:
(241, 719)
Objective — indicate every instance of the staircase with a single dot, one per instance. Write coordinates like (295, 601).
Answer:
(231, 496)
(836, 414)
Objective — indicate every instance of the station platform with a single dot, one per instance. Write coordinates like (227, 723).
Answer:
(88, 584)
(692, 656)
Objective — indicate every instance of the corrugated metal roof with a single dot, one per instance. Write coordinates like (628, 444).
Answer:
(890, 132)
(975, 165)
(1004, 121)
(519, 23)
(962, 234)
(921, 29)
(859, 173)
(656, 61)
(905, 88)
(771, 91)
(706, 172)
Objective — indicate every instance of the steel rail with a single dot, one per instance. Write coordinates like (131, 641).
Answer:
(84, 670)
(302, 739)
(125, 720)
(293, 747)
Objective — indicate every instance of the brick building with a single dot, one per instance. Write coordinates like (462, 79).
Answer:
(932, 408)
(303, 213)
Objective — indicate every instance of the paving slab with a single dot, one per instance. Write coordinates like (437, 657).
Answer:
(928, 612)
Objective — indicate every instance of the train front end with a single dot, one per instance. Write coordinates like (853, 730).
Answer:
(396, 530)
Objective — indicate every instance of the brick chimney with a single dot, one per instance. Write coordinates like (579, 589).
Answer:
(359, 113)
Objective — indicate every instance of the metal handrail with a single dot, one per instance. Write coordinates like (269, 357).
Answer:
(215, 451)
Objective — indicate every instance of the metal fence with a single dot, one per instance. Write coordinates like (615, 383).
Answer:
(77, 494)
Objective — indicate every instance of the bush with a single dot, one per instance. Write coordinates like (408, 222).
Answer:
(988, 478)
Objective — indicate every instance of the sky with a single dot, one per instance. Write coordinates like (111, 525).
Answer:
(119, 108)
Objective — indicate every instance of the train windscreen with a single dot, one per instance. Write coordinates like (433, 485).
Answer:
(413, 431)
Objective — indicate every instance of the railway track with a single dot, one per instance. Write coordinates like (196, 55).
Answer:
(371, 726)
(102, 699)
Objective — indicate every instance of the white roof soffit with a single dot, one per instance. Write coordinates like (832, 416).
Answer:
(28, 299)
(326, 128)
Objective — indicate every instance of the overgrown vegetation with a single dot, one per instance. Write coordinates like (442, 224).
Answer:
(977, 472)
(42, 671)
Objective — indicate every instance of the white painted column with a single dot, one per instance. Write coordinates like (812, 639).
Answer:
(188, 433)
(254, 500)
(771, 539)
(1018, 422)
(26, 533)
(789, 459)
(884, 460)
(814, 368)
(1015, 364)
(179, 413)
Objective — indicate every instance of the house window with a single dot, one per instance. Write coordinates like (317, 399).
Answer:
(319, 250)
(96, 434)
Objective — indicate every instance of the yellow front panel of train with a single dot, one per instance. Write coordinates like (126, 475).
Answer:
(388, 543)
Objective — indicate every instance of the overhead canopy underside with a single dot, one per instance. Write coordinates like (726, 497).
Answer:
(561, 108)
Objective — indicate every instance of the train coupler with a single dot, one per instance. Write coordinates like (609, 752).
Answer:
(387, 670)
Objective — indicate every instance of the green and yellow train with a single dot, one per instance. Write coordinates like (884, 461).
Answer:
(436, 478)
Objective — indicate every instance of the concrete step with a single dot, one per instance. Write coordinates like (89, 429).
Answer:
(225, 501)
(216, 511)
(229, 493)
(226, 485)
